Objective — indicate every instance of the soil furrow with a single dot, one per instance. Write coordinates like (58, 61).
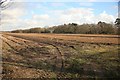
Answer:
(12, 40)
(59, 52)
(15, 50)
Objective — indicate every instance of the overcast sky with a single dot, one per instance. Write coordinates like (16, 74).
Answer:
(38, 13)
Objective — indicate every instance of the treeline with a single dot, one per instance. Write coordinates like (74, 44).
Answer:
(73, 28)
(32, 30)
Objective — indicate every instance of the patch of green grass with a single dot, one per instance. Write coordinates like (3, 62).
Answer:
(76, 65)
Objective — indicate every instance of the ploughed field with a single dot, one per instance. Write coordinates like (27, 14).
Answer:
(60, 55)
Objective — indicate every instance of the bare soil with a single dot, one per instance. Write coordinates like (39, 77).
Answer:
(60, 56)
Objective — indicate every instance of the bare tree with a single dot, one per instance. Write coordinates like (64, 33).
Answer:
(4, 4)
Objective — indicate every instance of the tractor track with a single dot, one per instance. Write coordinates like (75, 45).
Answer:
(12, 40)
(45, 42)
(15, 50)
(58, 50)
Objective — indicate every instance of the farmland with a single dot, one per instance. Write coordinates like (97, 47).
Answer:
(30, 55)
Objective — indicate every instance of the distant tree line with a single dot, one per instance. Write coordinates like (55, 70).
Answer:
(32, 30)
(73, 28)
